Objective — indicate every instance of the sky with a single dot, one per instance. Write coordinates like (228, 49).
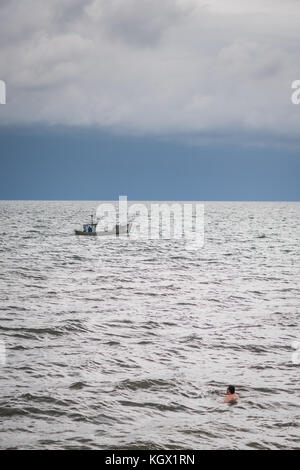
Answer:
(157, 99)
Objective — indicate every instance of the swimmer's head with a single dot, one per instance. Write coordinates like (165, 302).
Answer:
(230, 390)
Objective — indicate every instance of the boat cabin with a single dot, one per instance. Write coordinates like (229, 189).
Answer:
(91, 227)
(88, 229)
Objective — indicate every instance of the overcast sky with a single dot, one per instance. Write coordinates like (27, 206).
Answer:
(153, 67)
(156, 99)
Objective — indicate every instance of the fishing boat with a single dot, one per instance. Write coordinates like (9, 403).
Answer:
(90, 229)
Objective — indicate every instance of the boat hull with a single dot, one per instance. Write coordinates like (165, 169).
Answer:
(90, 234)
(118, 230)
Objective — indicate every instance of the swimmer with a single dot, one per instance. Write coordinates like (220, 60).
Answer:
(231, 395)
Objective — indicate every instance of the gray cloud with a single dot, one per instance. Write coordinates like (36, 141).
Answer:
(152, 66)
(137, 23)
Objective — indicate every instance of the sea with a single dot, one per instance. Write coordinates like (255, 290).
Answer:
(130, 343)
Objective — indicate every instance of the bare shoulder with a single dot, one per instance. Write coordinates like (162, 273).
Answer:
(231, 398)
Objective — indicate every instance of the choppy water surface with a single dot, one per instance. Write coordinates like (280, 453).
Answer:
(123, 344)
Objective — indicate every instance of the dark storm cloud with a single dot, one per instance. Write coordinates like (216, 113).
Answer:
(140, 23)
(150, 66)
